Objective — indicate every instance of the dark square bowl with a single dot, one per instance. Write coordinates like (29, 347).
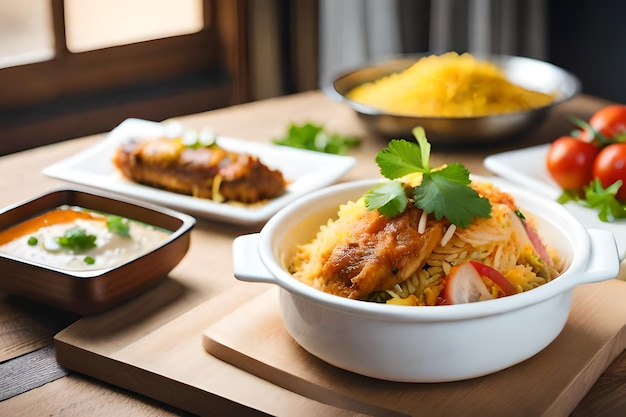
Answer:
(93, 291)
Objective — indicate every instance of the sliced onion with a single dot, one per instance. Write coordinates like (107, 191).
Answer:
(464, 285)
(494, 275)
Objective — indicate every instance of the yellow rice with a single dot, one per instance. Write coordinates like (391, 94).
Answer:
(448, 85)
(498, 241)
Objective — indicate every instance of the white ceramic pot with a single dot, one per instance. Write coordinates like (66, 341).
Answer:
(422, 344)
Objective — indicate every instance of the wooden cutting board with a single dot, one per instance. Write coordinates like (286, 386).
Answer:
(551, 383)
(144, 347)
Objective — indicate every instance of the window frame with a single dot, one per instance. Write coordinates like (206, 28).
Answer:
(48, 101)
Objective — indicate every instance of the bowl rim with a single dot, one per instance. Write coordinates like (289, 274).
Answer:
(559, 286)
(187, 223)
(330, 89)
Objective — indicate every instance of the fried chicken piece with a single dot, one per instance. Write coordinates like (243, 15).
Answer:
(206, 172)
(382, 252)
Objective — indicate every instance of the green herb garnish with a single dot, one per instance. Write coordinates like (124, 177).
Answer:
(389, 198)
(32, 241)
(89, 260)
(444, 192)
(600, 199)
(313, 137)
(118, 225)
(76, 238)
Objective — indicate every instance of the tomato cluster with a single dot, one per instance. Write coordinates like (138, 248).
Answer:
(596, 150)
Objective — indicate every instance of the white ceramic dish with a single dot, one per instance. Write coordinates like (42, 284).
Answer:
(526, 167)
(306, 171)
(422, 344)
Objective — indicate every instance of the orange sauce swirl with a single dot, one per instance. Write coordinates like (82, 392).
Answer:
(57, 216)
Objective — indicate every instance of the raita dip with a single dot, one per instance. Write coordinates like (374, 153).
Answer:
(76, 239)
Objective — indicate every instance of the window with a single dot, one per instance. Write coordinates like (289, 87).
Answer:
(25, 32)
(70, 68)
(97, 24)
(82, 66)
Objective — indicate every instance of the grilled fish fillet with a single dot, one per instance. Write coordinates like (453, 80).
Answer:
(207, 172)
(382, 252)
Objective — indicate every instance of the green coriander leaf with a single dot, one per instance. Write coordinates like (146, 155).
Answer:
(341, 145)
(445, 193)
(568, 195)
(596, 197)
(313, 137)
(400, 158)
(301, 136)
(389, 198)
(454, 172)
(118, 225)
(76, 238)
(603, 200)
(420, 137)
(89, 260)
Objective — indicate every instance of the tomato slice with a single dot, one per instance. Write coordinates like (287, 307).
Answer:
(464, 285)
(494, 275)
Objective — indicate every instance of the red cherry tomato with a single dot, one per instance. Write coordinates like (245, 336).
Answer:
(610, 121)
(570, 162)
(610, 166)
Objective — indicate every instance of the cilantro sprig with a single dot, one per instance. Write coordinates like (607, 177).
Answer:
(77, 239)
(596, 197)
(389, 198)
(118, 225)
(444, 191)
(313, 137)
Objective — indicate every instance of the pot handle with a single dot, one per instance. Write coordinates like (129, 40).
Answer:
(247, 263)
(604, 262)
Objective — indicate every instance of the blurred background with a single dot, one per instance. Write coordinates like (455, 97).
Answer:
(71, 68)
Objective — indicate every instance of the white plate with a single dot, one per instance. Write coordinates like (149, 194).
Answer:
(305, 170)
(527, 168)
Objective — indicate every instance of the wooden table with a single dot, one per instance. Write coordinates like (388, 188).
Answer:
(27, 329)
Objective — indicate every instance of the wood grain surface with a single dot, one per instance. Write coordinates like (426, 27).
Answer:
(254, 338)
(26, 326)
(143, 351)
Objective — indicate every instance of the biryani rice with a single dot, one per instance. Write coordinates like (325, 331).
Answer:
(499, 241)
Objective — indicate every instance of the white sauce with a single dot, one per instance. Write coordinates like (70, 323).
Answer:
(110, 250)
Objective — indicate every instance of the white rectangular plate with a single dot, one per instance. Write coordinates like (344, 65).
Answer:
(527, 168)
(305, 170)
